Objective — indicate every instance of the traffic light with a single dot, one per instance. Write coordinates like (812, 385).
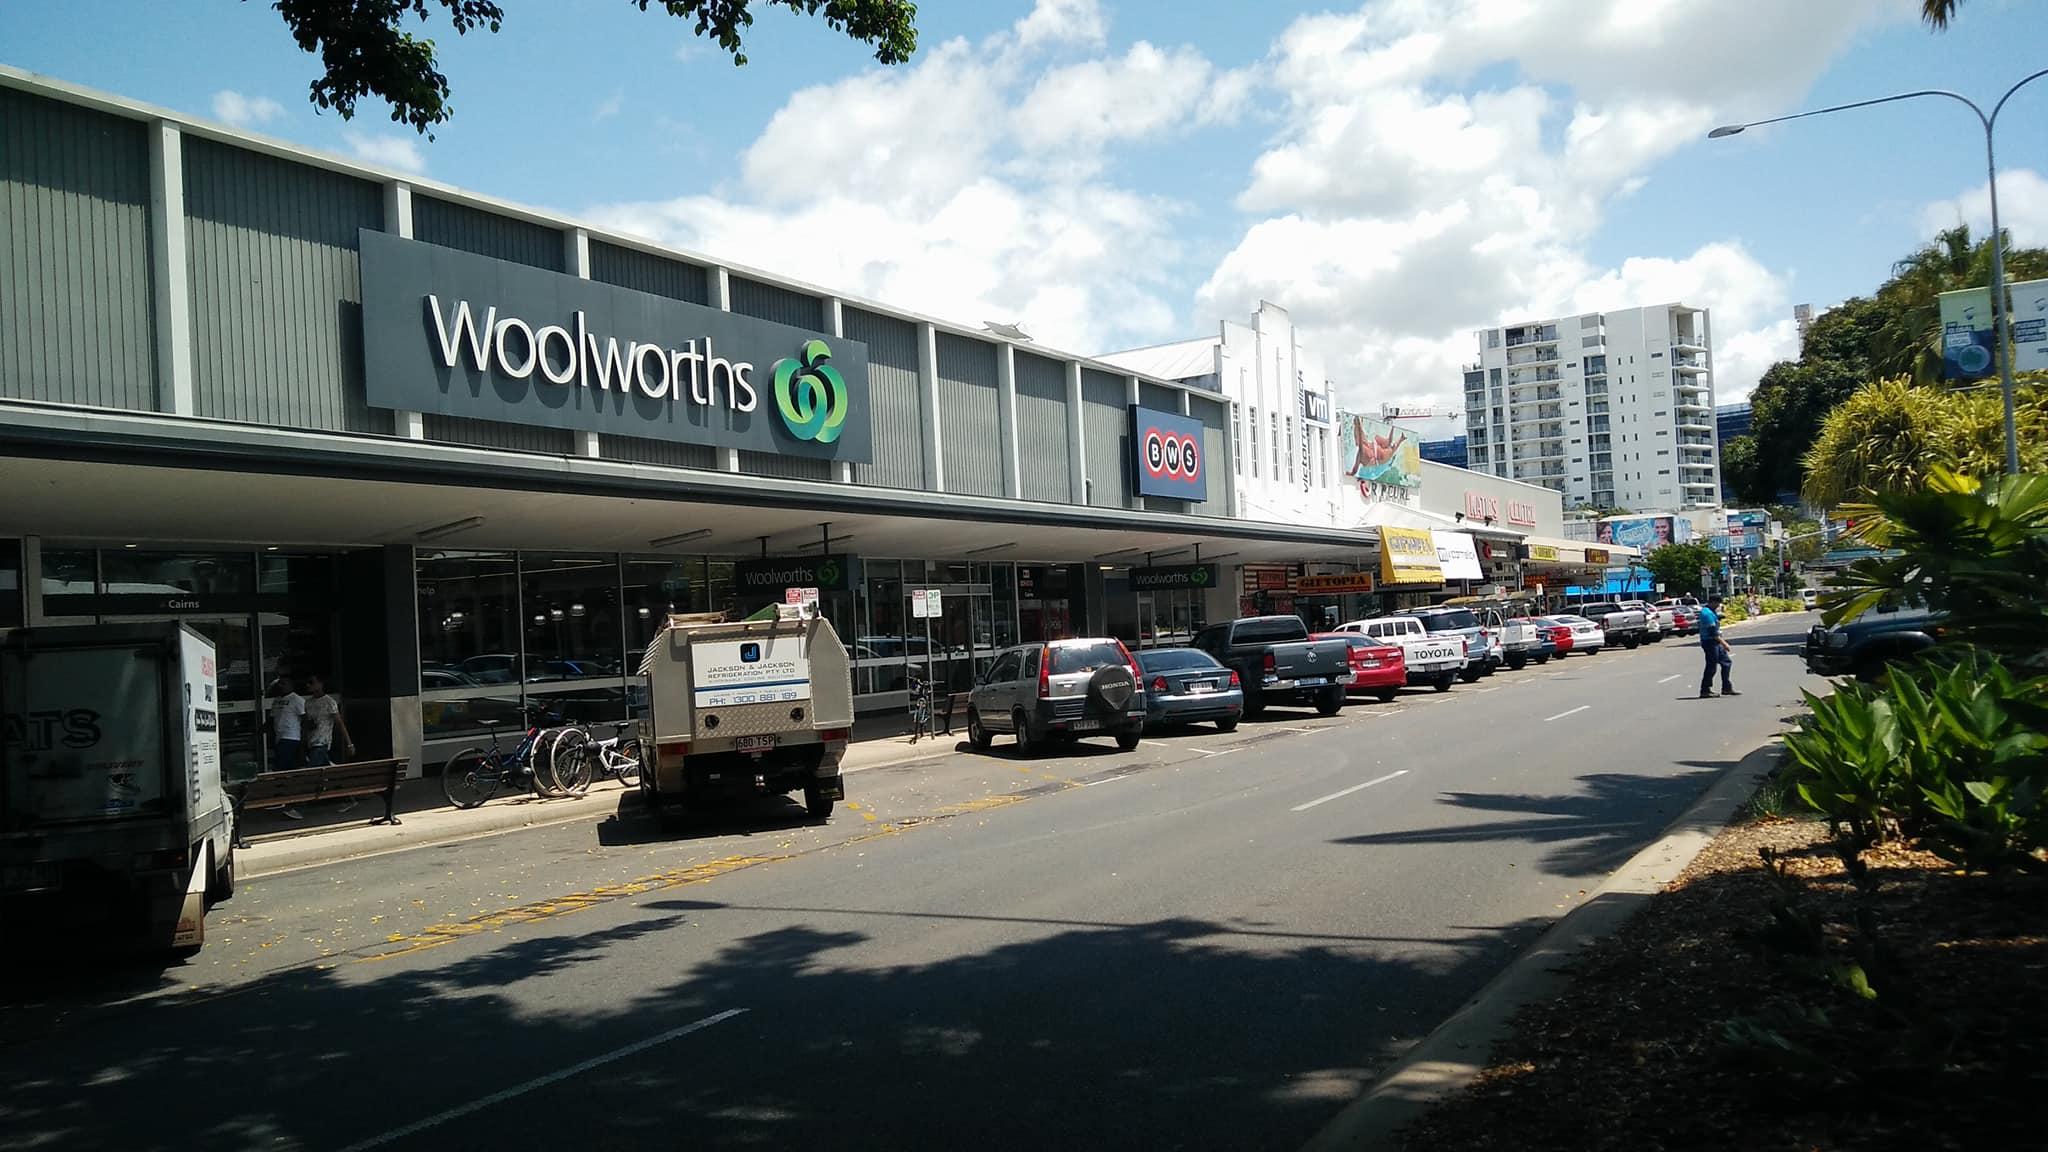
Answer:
(1785, 566)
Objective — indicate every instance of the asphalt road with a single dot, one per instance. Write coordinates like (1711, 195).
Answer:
(1211, 942)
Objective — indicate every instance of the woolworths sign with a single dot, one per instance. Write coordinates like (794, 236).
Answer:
(464, 335)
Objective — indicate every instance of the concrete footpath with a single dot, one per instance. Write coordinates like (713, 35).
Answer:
(1459, 1049)
(287, 851)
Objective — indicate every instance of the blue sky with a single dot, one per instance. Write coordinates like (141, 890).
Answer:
(1120, 172)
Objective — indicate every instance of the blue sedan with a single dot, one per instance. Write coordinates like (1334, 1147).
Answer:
(1188, 686)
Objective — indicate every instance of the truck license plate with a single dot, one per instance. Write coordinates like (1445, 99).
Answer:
(1313, 681)
(755, 743)
(1087, 725)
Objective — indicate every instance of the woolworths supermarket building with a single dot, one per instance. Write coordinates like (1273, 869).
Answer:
(458, 455)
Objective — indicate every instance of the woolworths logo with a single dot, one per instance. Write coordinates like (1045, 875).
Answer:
(810, 394)
(1199, 576)
(827, 573)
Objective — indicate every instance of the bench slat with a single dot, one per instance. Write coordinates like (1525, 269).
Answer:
(273, 790)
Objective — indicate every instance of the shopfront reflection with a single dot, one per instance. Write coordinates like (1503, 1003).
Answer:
(573, 663)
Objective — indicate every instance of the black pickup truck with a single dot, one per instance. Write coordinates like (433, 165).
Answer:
(1278, 664)
(1864, 646)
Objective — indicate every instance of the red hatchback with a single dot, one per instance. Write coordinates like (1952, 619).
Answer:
(1377, 668)
(1560, 636)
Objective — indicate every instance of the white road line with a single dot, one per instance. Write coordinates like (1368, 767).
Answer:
(1562, 715)
(1670, 678)
(1207, 752)
(1348, 791)
(554, 1077)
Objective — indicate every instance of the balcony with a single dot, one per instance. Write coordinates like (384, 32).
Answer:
(1521, 415)
(1537, 356)
(1692, 406)
(1518, 377)
(1687, 342)
(1518, 337)
(1543, 395)
(1688, 364)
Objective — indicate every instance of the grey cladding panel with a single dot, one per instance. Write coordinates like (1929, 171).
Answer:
(771, 302)
(970, 416)
(646, 272)
(1042, 428)
(277, 327)
(789, 467)
(1215, 420)
(493, 434)
(453, 225)
(75, 310)
(895, 403)
(1105, 430)
(642, 450)
(1158, 397)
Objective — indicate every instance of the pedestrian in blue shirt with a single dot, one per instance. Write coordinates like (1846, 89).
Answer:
(1716, 649)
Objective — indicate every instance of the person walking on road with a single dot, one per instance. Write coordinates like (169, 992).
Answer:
(1716, 650)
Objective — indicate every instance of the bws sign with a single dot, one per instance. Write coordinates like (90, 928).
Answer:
(1167, 458)
(458, 334)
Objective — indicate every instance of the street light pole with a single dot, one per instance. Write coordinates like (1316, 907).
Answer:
(2000, 323)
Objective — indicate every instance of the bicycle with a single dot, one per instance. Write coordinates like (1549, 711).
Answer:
(920, 707)
(577, 757)
(473, 775)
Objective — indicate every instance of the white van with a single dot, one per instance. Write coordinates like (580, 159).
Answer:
(1435, 660)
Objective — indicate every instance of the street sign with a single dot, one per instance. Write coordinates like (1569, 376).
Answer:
(925, 604)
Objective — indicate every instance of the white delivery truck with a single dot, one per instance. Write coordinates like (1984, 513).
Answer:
(111, 806)
(735, 708)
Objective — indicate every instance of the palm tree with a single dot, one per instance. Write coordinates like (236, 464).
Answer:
(1938, 13)
(1909, 341)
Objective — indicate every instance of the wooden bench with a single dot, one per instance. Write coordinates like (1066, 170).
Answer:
(273, 790)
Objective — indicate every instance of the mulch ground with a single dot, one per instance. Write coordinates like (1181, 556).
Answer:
(1727, 1015)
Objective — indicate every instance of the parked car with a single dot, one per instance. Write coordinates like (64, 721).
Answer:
(1463, 624)
(1587, 636)
(1378, 668)
(1619, 625)
(1662, 621)
(1809, 598)
(1430, 658)
(1519, 639)
(1865, 646)
(1557, 634)
(1278, 664)
(1685, 618)
(1059, 691)
(1188, 686)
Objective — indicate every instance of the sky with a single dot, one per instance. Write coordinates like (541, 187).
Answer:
(1115, 173)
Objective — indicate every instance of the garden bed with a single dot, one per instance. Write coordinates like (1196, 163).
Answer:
(1736, 1011)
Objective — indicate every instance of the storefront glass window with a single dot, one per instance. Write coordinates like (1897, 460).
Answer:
(67, 573)
(133, 571)
(569, 609)
(289, 574)
(468, 609)
(881, 653)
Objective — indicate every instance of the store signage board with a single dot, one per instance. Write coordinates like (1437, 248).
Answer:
(927, 603)
(1173, 576)
(1457, 556)
(777, 574)
(1967, 342)
(1336, 584)
(799, 595)
(1167, 458)
(1543, 552)
(1408, 556)
(1598, 555)
(458, 334)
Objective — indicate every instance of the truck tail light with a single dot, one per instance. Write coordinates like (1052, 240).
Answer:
(673, 748)
(1268, 663)
(832, 735)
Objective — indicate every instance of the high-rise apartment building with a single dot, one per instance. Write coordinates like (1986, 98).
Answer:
(1612, 409)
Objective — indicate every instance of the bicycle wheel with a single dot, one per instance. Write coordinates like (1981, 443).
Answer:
(551, 751)
(572, 764)
(468, 778)
(624, 762)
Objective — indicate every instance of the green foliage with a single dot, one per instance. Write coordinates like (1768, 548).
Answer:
(366, 51)
(1741, 469)
(1677, 566)
(1977, 552)
(1959, 762)
(1891, 435)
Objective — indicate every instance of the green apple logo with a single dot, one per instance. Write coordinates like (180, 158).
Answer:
(810, 394)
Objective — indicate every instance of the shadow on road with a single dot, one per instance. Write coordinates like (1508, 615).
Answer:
(1175, 1032)
(1593, 831)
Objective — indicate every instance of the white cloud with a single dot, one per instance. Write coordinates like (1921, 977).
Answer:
(610, 106)
(398, 152)
(1062, 22)
(1443, 164)
(2022, 209)
(232, 107)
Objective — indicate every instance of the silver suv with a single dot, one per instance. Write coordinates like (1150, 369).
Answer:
(1058, 692)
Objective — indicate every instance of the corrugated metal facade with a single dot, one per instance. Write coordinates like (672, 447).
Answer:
(492, 434)
(646, 272)
(453, 225)
(770, 302)
(1105, 426)
(1042, 457)
(646, 450)
(277, 325)
(1158, 397)
(970, 416)
(791, 467)
(75, 308)
(1215, 420)
(895, 408)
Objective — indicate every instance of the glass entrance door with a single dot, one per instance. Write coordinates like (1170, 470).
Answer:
(241, 695)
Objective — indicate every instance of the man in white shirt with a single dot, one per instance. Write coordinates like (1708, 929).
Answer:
(287, 727)
(323, 722)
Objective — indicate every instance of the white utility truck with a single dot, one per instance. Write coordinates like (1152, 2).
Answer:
(111, 806)
(746, 707)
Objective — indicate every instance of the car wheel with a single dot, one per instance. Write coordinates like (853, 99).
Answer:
(1128, 741)
(817, 805)
(1471, 675)
(1226, 725)
(1329, 701)
(1028, 742)
(1254, 703)
(977, 735)
(1517, 663)
(1444, 682)
(1387, 695)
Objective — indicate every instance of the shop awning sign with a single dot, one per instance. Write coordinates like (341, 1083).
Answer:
(1335, 584)
(775, 575)
(1167, 455)
(1173, 576)
(1543, 552)
(1408, 556)
(458, 334)
(1457, 556)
